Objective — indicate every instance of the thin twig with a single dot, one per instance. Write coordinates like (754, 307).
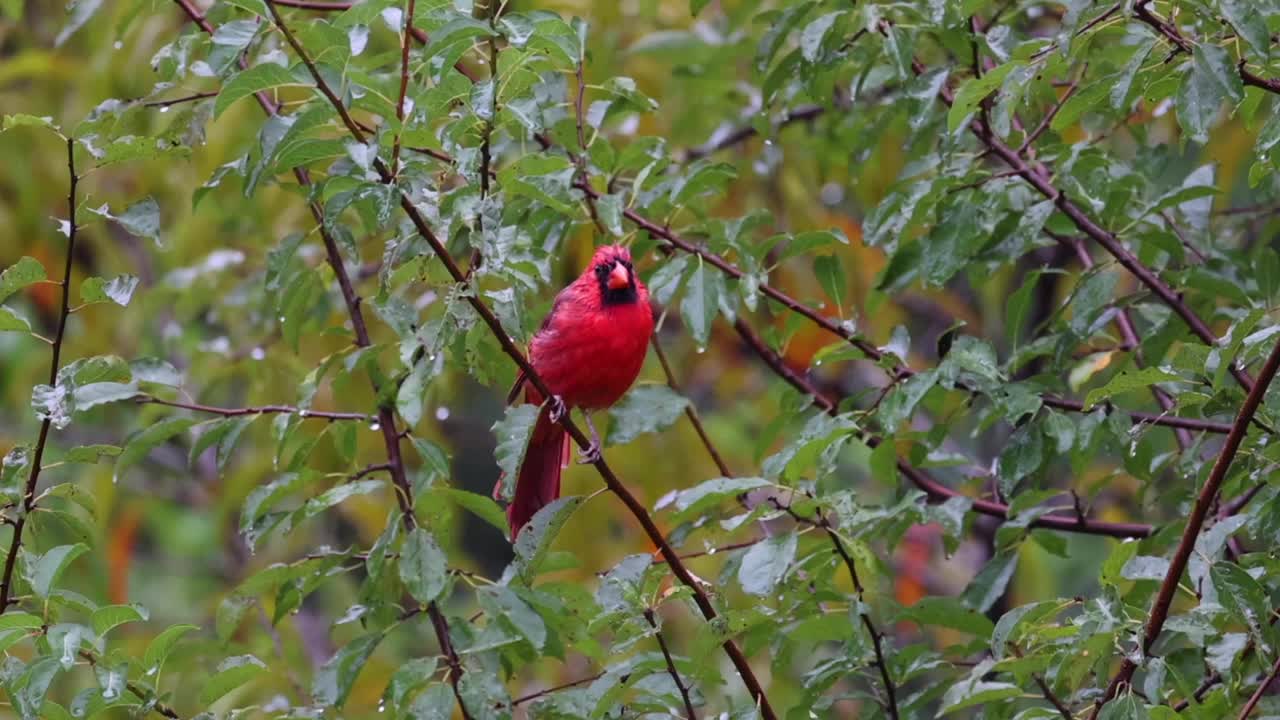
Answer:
(671, 665)
(1199, 513)
(690, 411)
(1262, 689)
(136, 689)
(543, 693)
(179, 100)
(877, 636)
(257, 410)
(406, 42)
(33, 478)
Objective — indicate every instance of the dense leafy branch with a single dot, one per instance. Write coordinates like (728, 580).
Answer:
(1195, 523)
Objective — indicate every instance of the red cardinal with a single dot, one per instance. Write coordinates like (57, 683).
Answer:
(588, 352)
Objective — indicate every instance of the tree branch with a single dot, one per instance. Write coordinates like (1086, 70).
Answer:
(406, 41)
(671, 665)
(690, 411)
(1262, 689)
(258, 410)
(934, 489)
(33, 478)
(1199, 513)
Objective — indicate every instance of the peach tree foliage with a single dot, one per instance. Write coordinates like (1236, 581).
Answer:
(995, 281)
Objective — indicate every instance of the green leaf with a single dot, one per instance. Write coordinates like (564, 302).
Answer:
(12, 322)
(1244, 597)
(232, 673)
(259, 77)
(513, 432)
(334, 679)
(698, 498)
(141, 218)
(110, 616)
(971, 692)
(536, 536)
(1128, 381)
(17, 120)
(41, 573)
(973, 91)
(337, 494)
(990, 582)
(32, 686)
(830, 273)
(1210, 80)
(423, 566)
(434, 457)
(27, 271)
(160, 647)
(645, 409)
(949, 613)
(482, 506)
(701, 301)
(141, 443)
(1250, 24)
(118, 290)
(766, 562)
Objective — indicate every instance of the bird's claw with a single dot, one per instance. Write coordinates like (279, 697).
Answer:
(591, 455)
(558, 409)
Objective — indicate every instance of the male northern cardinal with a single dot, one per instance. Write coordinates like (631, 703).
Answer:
(588, 352)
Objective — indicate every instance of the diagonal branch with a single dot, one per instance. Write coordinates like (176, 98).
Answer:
(33, 478)
(701, 599)
(406, 42)
(1257, 694)
(931, 487)
(671, 665)
(1199, 513)
(690, 411)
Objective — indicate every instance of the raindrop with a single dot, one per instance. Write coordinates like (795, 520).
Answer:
(164, 109)
(118, 44)
(817, 363)
(442, 413)
(281, 318)
(257, 353)
(701, 350)
(152, 670)
(382, 706)
(375, 426)
(768, 143)
(712, 551)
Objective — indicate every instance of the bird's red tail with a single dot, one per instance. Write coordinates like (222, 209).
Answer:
(539, 481)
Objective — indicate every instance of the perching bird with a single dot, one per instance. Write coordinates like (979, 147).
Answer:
(588, 352)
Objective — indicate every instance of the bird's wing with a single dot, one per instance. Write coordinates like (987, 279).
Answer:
(561, 298)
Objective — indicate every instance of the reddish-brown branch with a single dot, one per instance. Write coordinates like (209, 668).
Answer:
(1262, 689)
(671, 664)
(257, 410)
(406, 42)
(33, 477)
(934, 489)
(1195, 522)
(747, 131)
(701, 599)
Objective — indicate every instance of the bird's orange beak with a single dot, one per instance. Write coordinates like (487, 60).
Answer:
(619, 277)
